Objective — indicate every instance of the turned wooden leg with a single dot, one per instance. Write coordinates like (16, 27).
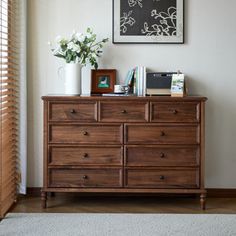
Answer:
(43, 199)
(203, 201)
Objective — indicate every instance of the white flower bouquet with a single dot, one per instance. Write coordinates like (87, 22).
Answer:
(79, 48)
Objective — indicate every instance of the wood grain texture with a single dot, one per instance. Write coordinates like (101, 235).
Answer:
(124, 145)
(161, 155)
(84, 111)
(135, 203)
(175, 112)
(161, 134)
(45, 143)
(202, 169)
(217, 193)
(168, 178)
(117, 111)
(127, 191)
(86, 134)
(85, 178)
(85, 155)
(129, 98)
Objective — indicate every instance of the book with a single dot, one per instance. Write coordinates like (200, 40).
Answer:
(144, 80)
(139, 79)
(129, 77)
(136, 82)
(136, 79)
(131, 83)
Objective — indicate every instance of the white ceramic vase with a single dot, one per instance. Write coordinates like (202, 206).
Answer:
(72, 74)
(86, 80)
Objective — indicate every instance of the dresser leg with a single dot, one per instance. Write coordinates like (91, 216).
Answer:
(203, 201)
(43, 199)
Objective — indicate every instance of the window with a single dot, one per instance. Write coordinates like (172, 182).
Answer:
(9, 103)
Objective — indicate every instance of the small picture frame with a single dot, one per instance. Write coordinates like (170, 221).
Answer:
(178, 85)
(103, 81)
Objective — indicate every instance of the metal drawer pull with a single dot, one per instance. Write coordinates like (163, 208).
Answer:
(85, 155)
(72, 111)
(162, 177)
(123, 111)
(175, 111)
(162, 155)
(162, 133)
(85, 177)
(85, 133)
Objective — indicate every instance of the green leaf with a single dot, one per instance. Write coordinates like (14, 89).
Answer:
(59, 55)
(88, 50)
(88, 30)
(105, 40)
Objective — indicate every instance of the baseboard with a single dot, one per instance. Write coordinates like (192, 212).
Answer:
(221, 192)
(211, 192)
(33, 191)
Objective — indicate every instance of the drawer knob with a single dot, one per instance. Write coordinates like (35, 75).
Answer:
(85, 133)
(175, 112)
(85, 177)
(123, 111)
(72, 111)
(85, 155)
(162, 177)
(162, 155)
(162, 133)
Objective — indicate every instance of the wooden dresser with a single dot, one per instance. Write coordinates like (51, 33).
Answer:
(124, 145)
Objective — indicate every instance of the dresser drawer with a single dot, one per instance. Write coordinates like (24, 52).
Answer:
(168, 178)
(123, 111)
(63, 178)
(83, 111)
(175, 112)
(161, 156)
(161, 134)
(86, 155)
(86, 134)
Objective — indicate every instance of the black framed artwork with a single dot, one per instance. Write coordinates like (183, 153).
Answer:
(148, 21)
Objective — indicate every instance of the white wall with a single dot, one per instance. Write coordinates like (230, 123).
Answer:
(208, 58)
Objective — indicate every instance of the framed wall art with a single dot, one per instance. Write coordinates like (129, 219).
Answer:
(148, 21)
(103, 81)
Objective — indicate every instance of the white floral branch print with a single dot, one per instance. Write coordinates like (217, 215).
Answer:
(165, 26)
(171, 15)
(126, 20)
(133, 3)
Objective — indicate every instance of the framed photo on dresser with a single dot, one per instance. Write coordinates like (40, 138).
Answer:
(103, 81)
(148, 21)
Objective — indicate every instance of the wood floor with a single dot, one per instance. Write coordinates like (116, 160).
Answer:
(72, 203)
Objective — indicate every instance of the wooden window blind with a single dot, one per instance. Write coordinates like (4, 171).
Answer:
(9, 103)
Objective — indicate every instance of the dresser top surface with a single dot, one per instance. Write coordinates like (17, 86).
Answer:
(55, 97)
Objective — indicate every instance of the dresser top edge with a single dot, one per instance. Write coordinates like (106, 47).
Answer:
(122, 98)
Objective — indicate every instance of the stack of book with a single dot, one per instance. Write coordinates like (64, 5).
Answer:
(136, 80)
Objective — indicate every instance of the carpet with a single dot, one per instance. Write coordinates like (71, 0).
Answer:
(44, 224)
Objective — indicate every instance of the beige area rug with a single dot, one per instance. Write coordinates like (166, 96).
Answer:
(43, 224)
